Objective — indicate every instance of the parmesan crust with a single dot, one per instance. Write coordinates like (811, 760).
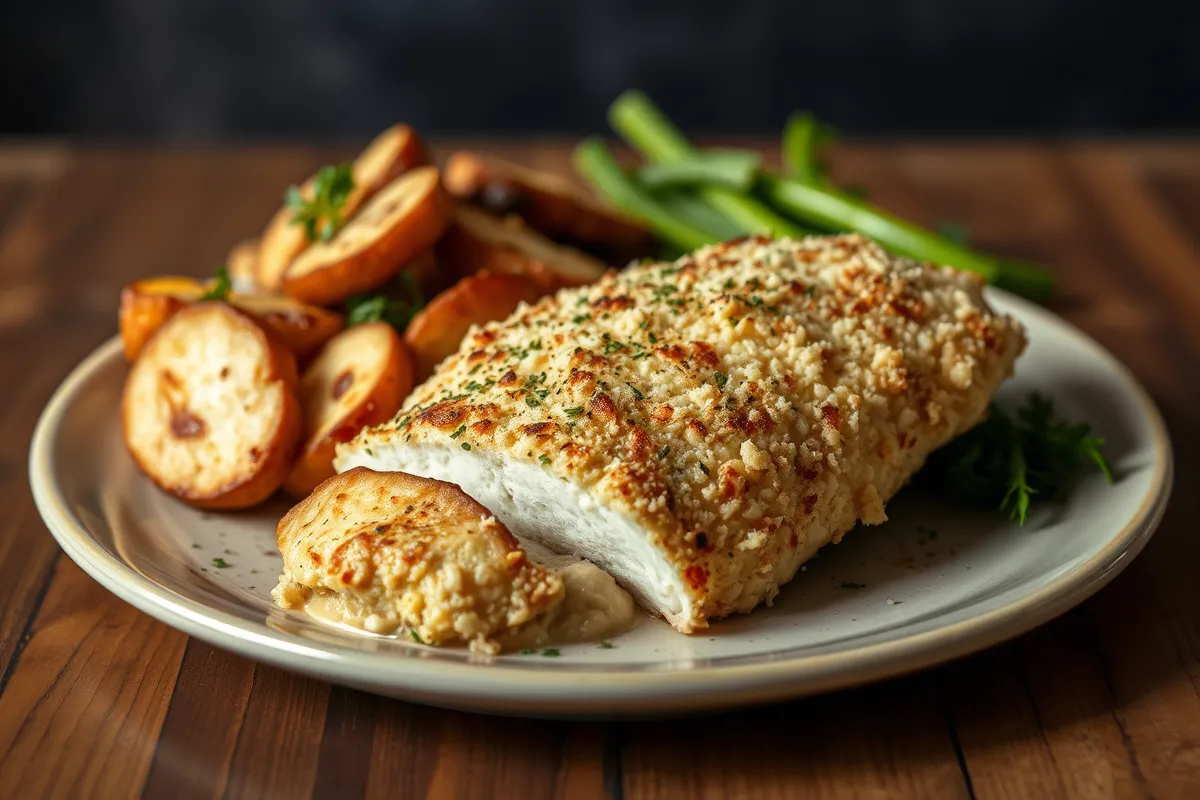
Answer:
(739, 408)
(390, 551)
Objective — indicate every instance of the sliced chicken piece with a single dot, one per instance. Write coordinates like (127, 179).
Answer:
(699, 429)
(388, 551)
(209, 411)
(359, 379)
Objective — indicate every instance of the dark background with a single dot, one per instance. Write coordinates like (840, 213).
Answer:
(215, 70)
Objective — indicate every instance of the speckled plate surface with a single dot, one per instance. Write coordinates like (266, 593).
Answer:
(934, 583)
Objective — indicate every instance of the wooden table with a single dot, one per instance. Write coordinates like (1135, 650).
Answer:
(97, 698)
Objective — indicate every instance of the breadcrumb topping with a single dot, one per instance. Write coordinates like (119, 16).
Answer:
(745, 404)
(385, 551)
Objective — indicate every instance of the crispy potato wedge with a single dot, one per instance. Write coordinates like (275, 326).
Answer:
(394, 227)
(550, 204)
(241, 263)
(210, 412)
(392, 153)
(485, 241)
(359, 378)
(147, 304)
(438, 329)
(400, 552)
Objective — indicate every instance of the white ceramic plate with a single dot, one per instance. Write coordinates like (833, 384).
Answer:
(934, 583)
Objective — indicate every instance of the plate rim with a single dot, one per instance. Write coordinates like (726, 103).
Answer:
(597, 692)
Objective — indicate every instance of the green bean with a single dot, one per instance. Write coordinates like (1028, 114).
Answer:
(734, 170)
(829, 209)
(595, 162)
(802, 135)
(687, 207)
(647, 130)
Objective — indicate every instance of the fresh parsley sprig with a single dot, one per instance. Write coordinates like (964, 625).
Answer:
(396, 308)
(1011, 461)
(321, 214)
(221, 286)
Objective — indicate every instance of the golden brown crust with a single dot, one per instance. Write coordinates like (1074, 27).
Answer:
(396, 550)
(209, 410)
(744, 405)
(398, 224)
(359, 379)
(550, 205)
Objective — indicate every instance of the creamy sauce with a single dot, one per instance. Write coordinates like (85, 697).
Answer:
(593, 608)
(332, 608)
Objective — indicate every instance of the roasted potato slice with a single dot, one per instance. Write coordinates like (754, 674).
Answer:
(484, 241)
(438, 329)
(241, 263)
(387, 551)
(359, 378)
(394, 152)
(147, 304)
(394, 227)
(550, 204)
(460, 254)
(303, 328)
(210, 411)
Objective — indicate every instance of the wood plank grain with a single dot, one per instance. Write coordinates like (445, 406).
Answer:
(207, 707)
(344, 766)
(590, 765)
(1161, 251)
(404, 748)
(81, 716)
(27, 553)
(885, 741)
(1103, 702)
(1083, 746)
(488, 757)
(1118, 302)
(66, 257)
(279, 741)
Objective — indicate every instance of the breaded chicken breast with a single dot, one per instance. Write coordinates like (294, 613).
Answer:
(387, 551)
(700, 428)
